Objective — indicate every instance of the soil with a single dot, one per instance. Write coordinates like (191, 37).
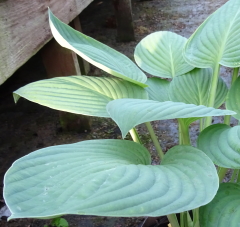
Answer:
(26, 126)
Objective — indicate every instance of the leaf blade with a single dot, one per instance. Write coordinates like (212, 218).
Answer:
(158, 89)
(96, 53)
(132, 187)
(222, 144)
(233, 100)
(215, 41)
(79, 94)
(222, 210)
(160, 54)
(193, 87)
(128, 113)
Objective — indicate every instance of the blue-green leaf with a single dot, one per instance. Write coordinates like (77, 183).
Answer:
(160, 54)
(222, 144)
(128, 113)
(96, 53)
(108, 178)
(80, 94)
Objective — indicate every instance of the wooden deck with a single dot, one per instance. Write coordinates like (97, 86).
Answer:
(24, 28)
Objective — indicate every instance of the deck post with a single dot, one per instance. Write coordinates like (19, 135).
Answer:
(59, 61)
(123, 13)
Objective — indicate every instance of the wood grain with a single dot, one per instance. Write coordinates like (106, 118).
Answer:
(24, 28)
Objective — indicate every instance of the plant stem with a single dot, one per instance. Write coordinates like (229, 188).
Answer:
(238, 177)
(211, 102)
(183, 219)
(179, 133)
(227, 118)
(155, 140)
(201, 124)
(135, 136)
(196, 218)
(173, 220)
(184, 133)
(212, 93)
(221, 173)
(184, 139)
(189, 220)
(234, 175)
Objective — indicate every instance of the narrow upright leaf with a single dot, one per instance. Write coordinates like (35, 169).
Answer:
(108, 178)
(223, 210)
(217, 40)
(160, 54)
(222, 144)
(80, 94)
(233, 98)
(128, 113)
(193, 87)
(95, 52)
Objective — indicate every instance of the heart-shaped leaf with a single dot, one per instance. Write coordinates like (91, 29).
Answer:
(217, 40)
(95, 52)
(193, 87)
(158, 89)
(233, 98)
(80, 94)
(128, 113)
(108, 178)
(160, 54)
(222, 144)
(223, 210)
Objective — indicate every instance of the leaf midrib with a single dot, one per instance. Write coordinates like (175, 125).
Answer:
(226, 38)
(172, 64)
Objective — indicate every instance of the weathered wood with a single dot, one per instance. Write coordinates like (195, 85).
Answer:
(123, 13)
(24, 28)
(84, 65)
(59, 61)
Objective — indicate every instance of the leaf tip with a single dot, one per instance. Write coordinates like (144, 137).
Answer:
(16, 97)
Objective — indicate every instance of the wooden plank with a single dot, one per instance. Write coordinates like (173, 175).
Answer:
(24, 28)
(123, 13)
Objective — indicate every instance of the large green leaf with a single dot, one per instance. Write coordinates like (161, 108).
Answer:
(80, 94)
(223, 210)
(96, 53)
(128, 113)
(217, 40)
(222, 144)
(158, 89)
(233, 98)
(193, 87)
(108, 178)
(160, 54)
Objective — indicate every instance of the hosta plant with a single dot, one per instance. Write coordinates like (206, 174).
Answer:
(115, 177)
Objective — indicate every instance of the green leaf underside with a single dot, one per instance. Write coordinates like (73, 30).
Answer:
(128, 113)
(108, 178)
(96, 53)
(188, 121)
(217, 40)
(80, 94)
(222, 144)
(193, 88)
(158, 89)
(223, 210)
(233, 98)
(160, 54)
